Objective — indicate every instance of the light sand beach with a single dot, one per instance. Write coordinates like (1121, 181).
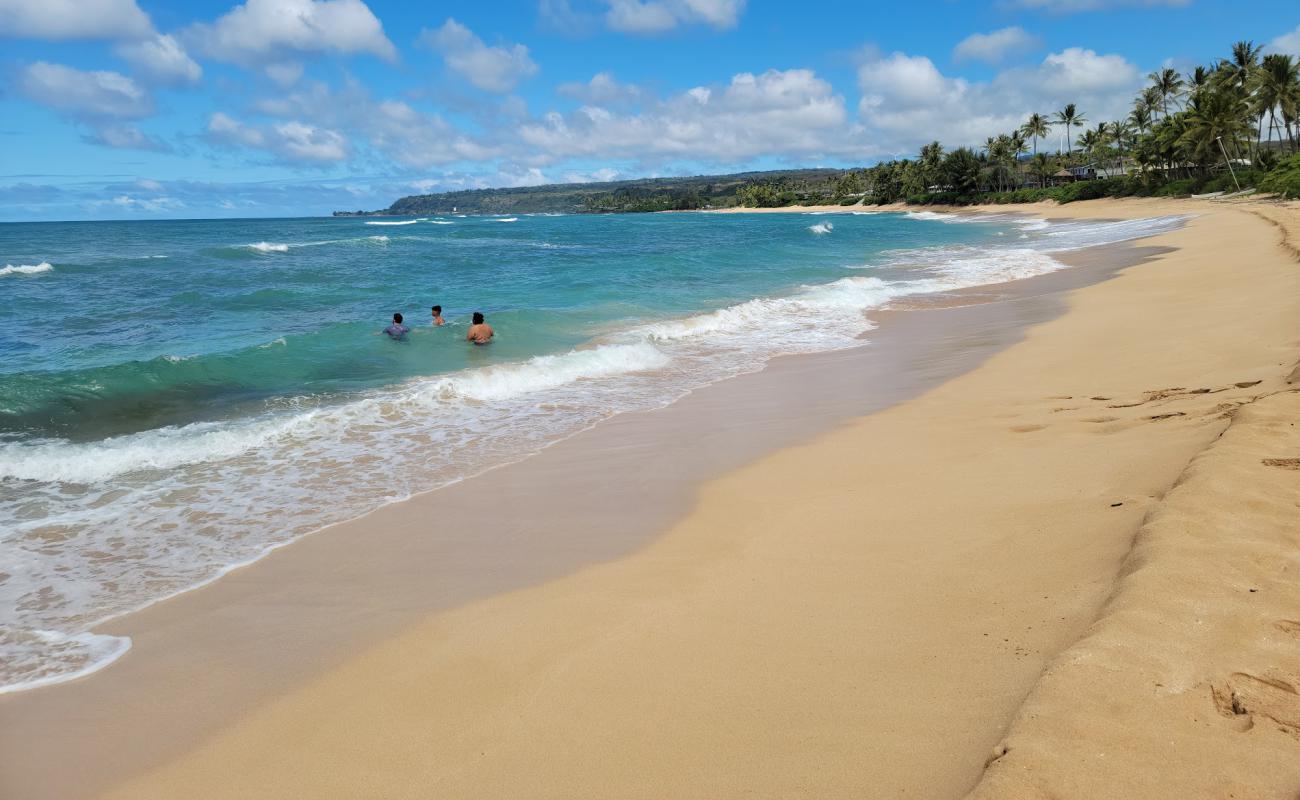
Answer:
(1073, 563)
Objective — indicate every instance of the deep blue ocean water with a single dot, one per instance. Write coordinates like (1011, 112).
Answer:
(176, 396)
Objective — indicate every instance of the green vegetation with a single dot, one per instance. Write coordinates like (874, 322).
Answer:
(1222, 126)
(785, 187)
(1284, 179)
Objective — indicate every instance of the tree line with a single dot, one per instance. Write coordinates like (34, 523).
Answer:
(1234, 122)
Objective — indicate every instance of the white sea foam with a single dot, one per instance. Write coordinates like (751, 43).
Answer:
(822, 227)
(380, 239)
(929, 216)
(90, 651)
(399, 222)
(505, 219)
(26, 269)
(541, 373)
(269, 247)
(62, 461)
(441, 222)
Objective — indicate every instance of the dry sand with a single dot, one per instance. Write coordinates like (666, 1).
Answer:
(865, 614)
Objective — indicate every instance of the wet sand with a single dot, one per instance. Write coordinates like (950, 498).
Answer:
(862, 610)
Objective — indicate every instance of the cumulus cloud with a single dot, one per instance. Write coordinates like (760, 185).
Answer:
(790, 114)
(1287, 43)
(658, 16)
(73, 19)
(161, 59)
(82, 95)
(126, 137)
(292, 141)
(492, 69)
(907, 101)
(994, 46)
(1075, 6)
(404, 134)
(602, 89)
(261, 31)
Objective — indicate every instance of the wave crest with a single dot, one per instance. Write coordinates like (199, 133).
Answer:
(27, 269)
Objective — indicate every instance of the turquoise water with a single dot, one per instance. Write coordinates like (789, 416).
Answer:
(146, 324)
(175, 397)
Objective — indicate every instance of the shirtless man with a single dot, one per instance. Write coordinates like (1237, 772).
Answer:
(480, 332)
(437, 317)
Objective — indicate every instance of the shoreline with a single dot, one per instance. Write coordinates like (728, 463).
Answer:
(691, 562)
(168, 658)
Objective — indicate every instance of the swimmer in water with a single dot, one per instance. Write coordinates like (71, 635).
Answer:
(397, 330)
(480, 332)
(437, 317)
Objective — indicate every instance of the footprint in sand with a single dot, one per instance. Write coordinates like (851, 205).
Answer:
(1026, 428)
(1283, 463)
(1291, 626)
(1246, 695)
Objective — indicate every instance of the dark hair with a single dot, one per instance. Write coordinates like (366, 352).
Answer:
(397, 318)
(437, 309)
(478, 317)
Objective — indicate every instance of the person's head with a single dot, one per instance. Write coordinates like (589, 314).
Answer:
(478, 317)
(437, 311)
(397, 318)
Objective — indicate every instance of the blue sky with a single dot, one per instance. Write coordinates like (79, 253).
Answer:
(122, 109)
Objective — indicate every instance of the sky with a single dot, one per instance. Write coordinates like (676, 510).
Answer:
(134, 109)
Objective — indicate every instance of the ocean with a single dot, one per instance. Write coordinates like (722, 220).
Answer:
(177, 398)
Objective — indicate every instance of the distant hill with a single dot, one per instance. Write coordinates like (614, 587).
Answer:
(647, 194)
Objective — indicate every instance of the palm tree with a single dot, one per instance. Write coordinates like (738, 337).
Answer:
(1240, 68)
(1070, 117)
(930, 158)
(1122, 133)
(1211, 117)
(1041, 166)
(1150, 99)
(1168, 83)
(1140, 118)
(1276, 88)
(1198, 80)
(1088, 142)
(1037, 125)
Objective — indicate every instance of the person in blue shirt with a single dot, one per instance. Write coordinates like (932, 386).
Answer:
(397, 330)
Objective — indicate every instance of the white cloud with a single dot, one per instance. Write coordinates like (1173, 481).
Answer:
(150, 205)
(405, 135)
(1287, 43)
(492, 69)
(994, 46)
(126, 137)
(602, 89)
(73, 19)
(302, 142)
(1075, 6)
(293, 141)
(907, 101)
(601, 175)
(1079, 71)
(82, 95)
(791, 114)
(261, 31)
(284, 73)
(161, 59)
(658, 16)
